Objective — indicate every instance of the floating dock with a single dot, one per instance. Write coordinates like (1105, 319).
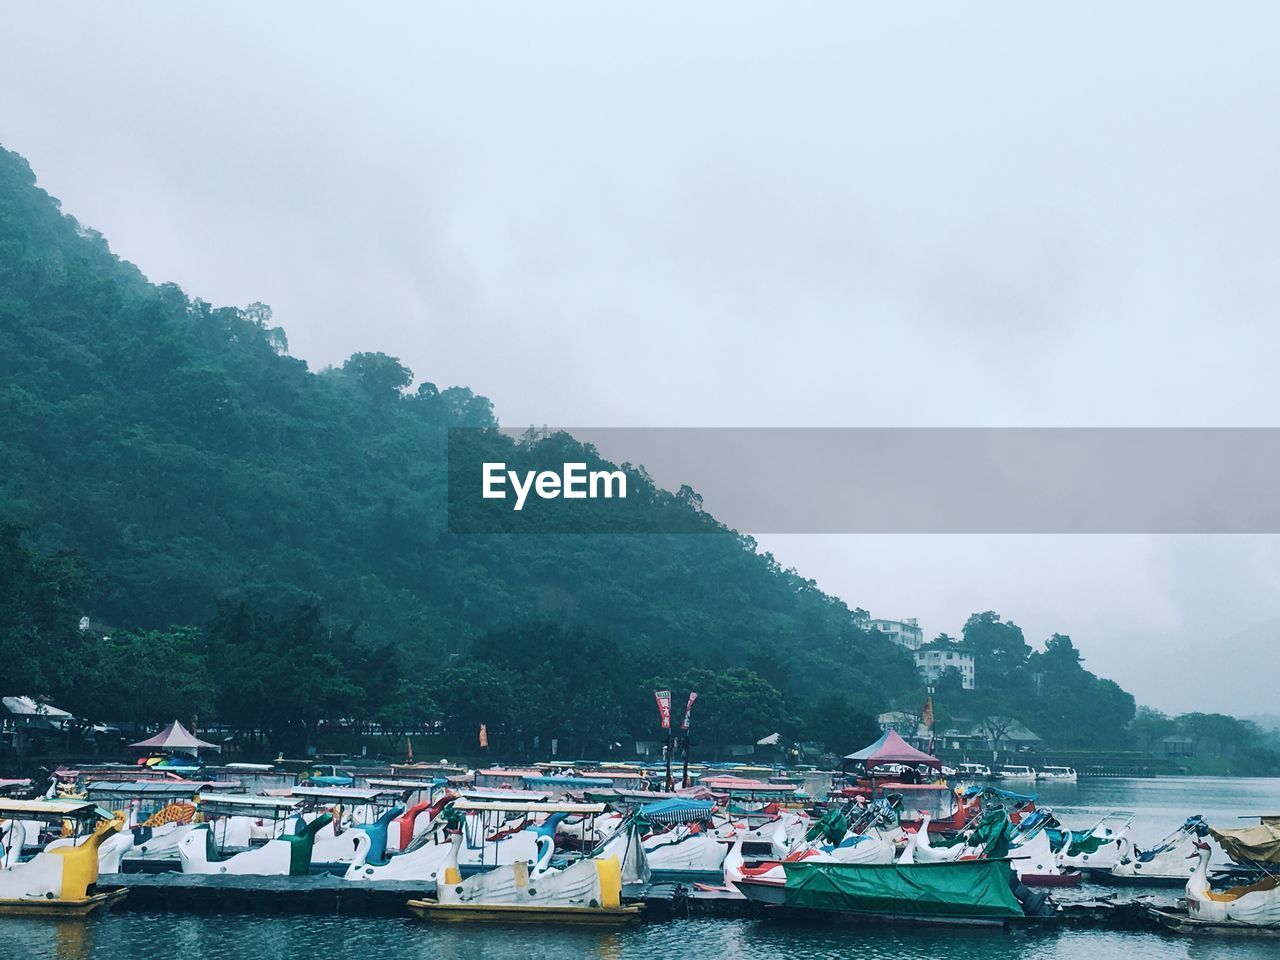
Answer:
(318, 894)
(226, 893)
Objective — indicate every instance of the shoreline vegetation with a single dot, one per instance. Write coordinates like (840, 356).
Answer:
(194, 524)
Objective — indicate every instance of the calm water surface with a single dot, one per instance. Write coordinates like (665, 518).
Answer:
(1160, 805)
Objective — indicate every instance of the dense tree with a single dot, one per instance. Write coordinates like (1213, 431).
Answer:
(999, 643)
(149, 677)
(839, 725)
(42, 649)
(303, 521)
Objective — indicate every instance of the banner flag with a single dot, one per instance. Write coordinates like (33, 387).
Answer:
(688, 709)
(664, 707)
(484, 737)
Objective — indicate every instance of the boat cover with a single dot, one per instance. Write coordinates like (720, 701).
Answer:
(1260, 844)
(677, 810)
(967, 888)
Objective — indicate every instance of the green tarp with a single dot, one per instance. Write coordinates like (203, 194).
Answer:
(968, 888)
(1261, 844)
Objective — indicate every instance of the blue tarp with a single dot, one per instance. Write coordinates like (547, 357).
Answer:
(676, 810)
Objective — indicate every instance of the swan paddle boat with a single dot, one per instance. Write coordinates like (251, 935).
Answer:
(203, 850)
(1167, 864)
(335, 846)
(1098, 848)
(59, 881)
(588, 891)
(683, 843)
(1255, 905)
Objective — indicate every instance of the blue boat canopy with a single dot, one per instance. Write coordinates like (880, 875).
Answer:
(554, 781)
(677, 810)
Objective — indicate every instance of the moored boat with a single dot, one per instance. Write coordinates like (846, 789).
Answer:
(588, 891)
(58, 882)
(1167, 864)
(964, 892)
(1257, 904)
(1098, 848)
(1016, 772)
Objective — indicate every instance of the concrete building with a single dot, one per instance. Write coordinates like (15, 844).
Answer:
(905, 633)
(933, 660)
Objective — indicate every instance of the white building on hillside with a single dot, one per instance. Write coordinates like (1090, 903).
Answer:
(934, 660)
(905, 633)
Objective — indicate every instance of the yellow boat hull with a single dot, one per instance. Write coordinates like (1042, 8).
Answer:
(482, 913)
(61, 908)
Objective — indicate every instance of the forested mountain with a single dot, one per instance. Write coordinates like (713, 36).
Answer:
(271, 549)
(201, 474)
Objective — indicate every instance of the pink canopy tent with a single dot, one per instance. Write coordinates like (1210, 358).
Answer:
(178, 739)
(891, 748)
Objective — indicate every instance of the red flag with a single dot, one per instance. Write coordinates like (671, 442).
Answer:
(688, 709)
(664, 707)
(484, 737)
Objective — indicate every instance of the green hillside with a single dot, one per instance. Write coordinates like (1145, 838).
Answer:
(201, 474)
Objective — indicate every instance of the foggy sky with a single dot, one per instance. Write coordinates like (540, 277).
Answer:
(943, 214)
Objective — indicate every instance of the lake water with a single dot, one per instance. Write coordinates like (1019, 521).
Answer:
(1160, 805)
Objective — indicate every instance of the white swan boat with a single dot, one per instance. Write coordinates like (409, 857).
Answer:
(204, 850)
(1165, 864)
(486, 840)
(919, 849)
(586, 891)
(1255, 905)
(1101, 847)
(1057, 774)
(686, 853)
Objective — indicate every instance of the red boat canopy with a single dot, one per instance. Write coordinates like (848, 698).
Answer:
(891, 748)
(177, 739)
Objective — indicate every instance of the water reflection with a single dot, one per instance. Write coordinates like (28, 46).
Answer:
(73, 939)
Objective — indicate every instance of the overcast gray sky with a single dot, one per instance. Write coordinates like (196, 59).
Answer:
(740, 214)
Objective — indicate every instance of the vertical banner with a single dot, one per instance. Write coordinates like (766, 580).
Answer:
(555, 746)
(688, 709)
(664, 707)
(484, 737)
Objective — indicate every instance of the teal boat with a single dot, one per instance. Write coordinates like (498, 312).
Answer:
(965, 892)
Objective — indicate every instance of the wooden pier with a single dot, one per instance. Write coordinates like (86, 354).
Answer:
(226, 893)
